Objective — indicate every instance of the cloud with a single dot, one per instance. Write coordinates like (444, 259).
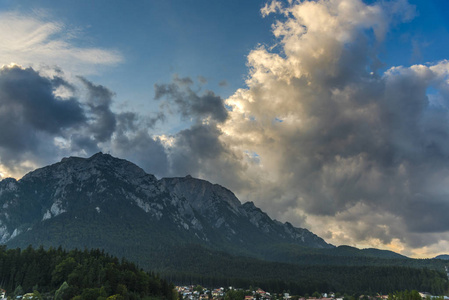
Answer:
(202, 79)
(318, 133)
(34, 40)
(188, 102)
(320, 138)
(99, 100)
(273, 7)
(223, 83)
(133, 141)
(349, 138)
(38, 125)
(30, 96)
(199, 151)
(31, 115)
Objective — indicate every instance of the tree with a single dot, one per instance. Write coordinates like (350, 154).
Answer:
(63, 269)
(59, 294)
(115, 297)
(37, 295)
(18, 291)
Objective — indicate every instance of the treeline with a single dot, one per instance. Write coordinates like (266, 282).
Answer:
(222, 269)
(345, 256)
(77, 274)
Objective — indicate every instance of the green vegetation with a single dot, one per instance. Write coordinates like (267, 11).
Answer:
(405, 295)
(196, 264)
(78, 275)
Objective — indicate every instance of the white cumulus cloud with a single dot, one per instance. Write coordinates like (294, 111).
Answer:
(357, 155)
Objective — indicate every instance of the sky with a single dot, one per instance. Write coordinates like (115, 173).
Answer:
(329, 114)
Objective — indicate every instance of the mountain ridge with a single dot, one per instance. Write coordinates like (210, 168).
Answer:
(182, 209)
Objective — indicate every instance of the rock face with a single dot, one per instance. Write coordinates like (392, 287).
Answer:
(221, 211)
(107, 202)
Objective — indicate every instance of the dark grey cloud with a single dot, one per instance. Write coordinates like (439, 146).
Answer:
(99, 101)
(190, 103)
(30, 113)
(223, 83)
(193, 145)
(25, 92)
(200, 152)
(134, 142)
(385, 148)
(37, 125)
(202, 79)
(81, 142)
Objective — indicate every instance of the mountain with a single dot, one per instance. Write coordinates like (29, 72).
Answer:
(442, 256)
(189, 230)
(110, 203)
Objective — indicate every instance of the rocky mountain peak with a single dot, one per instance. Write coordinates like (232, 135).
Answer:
(98, 165)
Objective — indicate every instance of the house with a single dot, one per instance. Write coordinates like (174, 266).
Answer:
(267, 296)
(260, 292)
(28, 296)
(217, 292)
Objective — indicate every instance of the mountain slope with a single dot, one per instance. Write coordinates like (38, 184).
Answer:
(221, 210)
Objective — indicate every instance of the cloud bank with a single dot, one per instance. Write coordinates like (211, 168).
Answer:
(339, 141)
(321, 135)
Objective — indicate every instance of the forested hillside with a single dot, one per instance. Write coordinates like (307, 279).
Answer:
(92, 274)
(80, 274)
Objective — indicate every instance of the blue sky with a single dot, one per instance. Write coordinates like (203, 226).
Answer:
(209, 38)
(332, 115)
(160, 38)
